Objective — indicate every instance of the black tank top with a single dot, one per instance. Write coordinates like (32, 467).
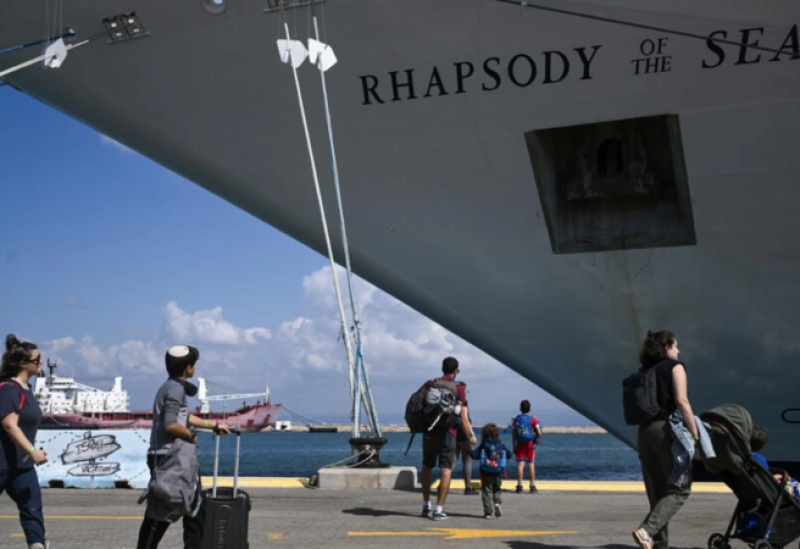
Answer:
(666, 391)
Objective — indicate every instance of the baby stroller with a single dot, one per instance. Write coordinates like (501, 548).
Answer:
(766, 516)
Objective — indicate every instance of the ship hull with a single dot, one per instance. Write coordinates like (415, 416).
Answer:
(446, 210)
(249, 419)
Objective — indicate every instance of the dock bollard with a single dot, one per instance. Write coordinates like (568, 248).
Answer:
(366, 451)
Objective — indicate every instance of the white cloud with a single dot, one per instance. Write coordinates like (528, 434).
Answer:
(93, 357)
(60, 344)
(251, 335)
(303, 358)
(207, 327)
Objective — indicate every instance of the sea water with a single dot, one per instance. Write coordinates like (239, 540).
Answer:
(289, 454)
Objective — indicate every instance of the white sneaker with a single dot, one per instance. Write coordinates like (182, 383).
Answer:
(497, 511)
(45, 545)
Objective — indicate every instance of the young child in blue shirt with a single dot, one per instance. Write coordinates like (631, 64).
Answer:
(758, 438)
(492, 455)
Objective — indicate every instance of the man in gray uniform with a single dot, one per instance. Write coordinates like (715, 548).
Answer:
(174, 488)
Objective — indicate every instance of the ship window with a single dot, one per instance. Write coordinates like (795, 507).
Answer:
(215, 7)
(615, 185)
(609, 158)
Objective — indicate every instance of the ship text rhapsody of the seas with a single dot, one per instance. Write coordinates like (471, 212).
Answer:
(548, 184)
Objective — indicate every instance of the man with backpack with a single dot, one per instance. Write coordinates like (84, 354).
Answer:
(525, 435)
(439, 440)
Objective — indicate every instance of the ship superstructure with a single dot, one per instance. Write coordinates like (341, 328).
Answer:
(67, 404)
(64, 395)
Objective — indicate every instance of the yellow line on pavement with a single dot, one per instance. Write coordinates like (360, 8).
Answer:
(258, 482)
(602, 486)
(387, 534)
(509, 485)
(78, 517)
(466, 533)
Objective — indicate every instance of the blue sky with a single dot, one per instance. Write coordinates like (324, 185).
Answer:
(107, 259)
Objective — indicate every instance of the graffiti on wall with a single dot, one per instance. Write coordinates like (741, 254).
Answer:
(94, 459)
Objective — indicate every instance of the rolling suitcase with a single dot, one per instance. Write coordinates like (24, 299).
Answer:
(226, 511)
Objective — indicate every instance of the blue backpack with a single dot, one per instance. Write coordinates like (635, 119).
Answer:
(493, 458)
(524, 429)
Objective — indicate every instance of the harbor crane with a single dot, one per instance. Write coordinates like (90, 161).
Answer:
(205, 399)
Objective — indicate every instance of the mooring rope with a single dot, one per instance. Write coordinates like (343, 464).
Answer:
(363, 389)
(67, 47)
(343, 322)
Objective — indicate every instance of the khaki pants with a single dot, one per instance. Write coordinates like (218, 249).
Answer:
(654, 442)
(491, 490)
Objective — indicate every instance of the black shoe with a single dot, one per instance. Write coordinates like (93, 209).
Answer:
(534, 489)
(470, 492)
(426, 512)
(439, 515)
(519, 488)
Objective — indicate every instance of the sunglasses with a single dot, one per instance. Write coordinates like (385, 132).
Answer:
(37, 360)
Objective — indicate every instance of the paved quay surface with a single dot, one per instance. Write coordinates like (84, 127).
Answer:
(288, 516)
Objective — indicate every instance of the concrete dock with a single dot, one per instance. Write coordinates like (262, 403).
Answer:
(286, 515)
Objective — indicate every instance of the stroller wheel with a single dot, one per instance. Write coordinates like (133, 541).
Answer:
(718, 541)
(762, 544)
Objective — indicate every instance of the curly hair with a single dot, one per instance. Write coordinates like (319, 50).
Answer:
(16, 353)
(654, 348)
(490, 430)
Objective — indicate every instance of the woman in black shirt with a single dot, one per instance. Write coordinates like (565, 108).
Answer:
(660, 351)
(20, 416)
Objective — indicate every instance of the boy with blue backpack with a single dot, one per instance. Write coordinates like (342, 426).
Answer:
(525, 435)
(492, 456)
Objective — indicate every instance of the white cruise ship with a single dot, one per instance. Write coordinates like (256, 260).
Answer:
(547, 185)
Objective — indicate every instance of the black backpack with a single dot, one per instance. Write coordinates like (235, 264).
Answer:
(416, 418)
(431, 407)
(640, 397)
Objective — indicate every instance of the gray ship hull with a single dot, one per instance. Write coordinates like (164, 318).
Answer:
(505, 170)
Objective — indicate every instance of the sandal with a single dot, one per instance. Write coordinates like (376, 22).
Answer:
(643, 539)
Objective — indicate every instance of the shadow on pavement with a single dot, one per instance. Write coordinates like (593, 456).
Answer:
(370, 512)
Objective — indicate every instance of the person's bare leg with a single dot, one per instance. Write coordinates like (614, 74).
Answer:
(425, 479)
(520, 464)
(444, 486)
(531, 472)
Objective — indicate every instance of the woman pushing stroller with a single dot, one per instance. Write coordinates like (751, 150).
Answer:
(655, 441)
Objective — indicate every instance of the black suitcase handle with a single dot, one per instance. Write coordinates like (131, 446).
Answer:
(238, 433)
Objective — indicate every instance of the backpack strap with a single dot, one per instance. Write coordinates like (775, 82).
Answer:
(21, 392)
(409, 444)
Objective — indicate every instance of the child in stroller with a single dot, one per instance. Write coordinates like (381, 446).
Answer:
(758, 440)
(766, 516)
